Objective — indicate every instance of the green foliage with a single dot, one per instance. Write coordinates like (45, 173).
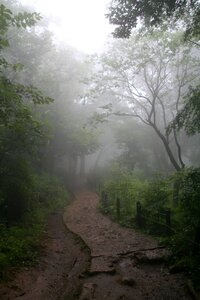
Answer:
(18, 246)
(126, 15)
(185, 240)
(26, 199)
(21, 130)
(49, 192)
(156, 196)
(189, 117)
(132, 73)
(83, 141)
(20, 243)
(22, 19)
(128, 189)
(15, 186)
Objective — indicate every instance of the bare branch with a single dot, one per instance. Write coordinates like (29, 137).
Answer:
(131, 115)
(195, 43)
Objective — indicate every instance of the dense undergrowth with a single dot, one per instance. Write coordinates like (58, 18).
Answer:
(178, 194)
(20, 237)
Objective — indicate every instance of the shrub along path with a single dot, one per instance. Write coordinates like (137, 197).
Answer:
(125, 264)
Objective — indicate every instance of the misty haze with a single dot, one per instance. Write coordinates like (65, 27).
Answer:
(99, 144)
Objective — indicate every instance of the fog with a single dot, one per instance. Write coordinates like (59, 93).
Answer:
(112, 108)
(90, 125)
(80, 24)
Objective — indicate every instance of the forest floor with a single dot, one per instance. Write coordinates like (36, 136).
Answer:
(105, 261)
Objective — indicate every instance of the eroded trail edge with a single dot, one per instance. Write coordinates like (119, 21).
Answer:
(125, 264)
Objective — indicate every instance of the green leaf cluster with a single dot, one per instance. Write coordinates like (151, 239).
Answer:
(189, 117)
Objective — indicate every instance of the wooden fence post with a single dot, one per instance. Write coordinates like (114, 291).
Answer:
(118, 208)
(168, 220)
(106, 201)
(99, 189)
(102, 196)
(196, 246)
(139, 217)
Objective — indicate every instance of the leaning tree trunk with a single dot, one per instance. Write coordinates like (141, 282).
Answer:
(178, 167)
(167, 148)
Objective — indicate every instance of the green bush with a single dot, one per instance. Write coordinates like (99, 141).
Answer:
(128, 189)
(19, 243)
(18, 247)
(156, 196)
(185, 241)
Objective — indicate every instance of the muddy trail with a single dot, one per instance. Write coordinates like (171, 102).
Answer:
(87, 256)
(64, 257)
(125, 264)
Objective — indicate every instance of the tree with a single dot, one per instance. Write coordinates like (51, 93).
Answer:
(21, 131)
(150, 76)
(140, 148)
(56, 71)
(128, 14)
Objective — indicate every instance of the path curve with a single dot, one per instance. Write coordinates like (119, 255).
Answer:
(125, 264)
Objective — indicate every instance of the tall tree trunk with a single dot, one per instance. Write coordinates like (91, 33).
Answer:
(178, 148)
(82, 164)
(73, 165)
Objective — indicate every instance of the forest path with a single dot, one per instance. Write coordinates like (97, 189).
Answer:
(125, 264)
(56, 275)
(120, 264)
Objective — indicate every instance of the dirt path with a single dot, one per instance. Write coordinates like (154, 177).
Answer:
(124, 263)
(121, 263)
(57, 275)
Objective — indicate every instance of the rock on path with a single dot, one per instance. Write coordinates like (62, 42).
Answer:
(125, 264)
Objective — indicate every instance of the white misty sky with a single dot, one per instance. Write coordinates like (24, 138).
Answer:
(80, 23)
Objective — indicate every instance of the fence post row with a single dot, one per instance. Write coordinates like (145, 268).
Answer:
(139, 212)
(104, 197)
(139, 216)
(168, 220)
(118, 208)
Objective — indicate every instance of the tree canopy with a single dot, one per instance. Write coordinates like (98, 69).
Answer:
(150, 82)
(128, 14)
